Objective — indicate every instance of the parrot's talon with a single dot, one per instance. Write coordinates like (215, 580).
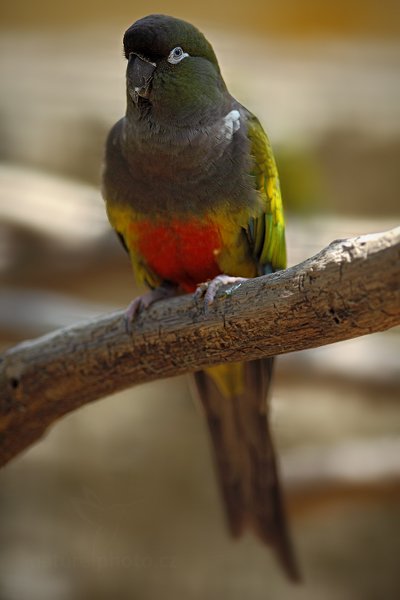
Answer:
(144, 301)
(209, 289)
(200, 291)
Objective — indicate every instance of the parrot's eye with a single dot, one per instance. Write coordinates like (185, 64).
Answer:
(176, 55)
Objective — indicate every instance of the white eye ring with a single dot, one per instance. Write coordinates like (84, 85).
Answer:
(176, 55)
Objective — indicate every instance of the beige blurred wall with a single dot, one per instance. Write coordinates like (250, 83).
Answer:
(287, 17)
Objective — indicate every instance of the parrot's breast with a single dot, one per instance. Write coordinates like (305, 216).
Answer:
(183, 252)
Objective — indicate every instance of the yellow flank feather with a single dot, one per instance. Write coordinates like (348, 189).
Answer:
(268, 230)
(121, 217)
(235, 256)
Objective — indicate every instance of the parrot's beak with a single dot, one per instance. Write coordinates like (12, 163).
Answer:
(140, 74)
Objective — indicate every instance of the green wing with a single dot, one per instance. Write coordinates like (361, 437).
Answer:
(266, 232)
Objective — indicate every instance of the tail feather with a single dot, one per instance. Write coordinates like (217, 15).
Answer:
(234, 398)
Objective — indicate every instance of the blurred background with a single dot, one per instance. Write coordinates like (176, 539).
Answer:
(119, 500)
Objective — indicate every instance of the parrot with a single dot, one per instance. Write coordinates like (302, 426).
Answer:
(191, 188)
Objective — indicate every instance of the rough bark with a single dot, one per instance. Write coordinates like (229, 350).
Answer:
(351, 288)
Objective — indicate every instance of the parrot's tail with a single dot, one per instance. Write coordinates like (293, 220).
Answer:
(234, 397)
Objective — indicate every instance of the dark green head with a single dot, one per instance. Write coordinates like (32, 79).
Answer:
(172, 72)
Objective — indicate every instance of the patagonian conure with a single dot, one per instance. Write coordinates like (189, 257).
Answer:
(192, 190)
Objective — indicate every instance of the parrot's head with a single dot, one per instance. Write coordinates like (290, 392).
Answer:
(172, 72)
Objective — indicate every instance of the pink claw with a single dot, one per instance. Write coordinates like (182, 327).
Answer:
(145, 300)
(209, 289)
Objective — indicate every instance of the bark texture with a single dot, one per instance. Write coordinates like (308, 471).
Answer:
(351, 288)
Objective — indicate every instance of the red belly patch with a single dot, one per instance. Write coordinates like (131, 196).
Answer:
(183, 252)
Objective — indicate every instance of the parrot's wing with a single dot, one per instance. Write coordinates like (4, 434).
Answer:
(266, 232)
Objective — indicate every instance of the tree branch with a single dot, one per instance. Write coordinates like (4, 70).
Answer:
(349, 289)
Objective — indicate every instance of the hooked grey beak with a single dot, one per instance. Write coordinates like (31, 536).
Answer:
(140, 73)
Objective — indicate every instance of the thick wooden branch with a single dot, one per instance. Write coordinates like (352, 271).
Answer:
(349, 289)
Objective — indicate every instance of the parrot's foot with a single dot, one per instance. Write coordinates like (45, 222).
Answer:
(210, 289)
(145, 300)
